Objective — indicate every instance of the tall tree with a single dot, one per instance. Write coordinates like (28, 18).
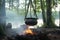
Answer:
(2, 16)
(50, 22)
(17, 6)
(43, 11)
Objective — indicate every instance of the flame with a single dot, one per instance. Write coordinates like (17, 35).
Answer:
(28, 31)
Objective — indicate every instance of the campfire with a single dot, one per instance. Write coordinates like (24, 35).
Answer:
(28, 31)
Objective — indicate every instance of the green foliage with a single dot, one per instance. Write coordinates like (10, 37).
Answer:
(0, 2)
(39, 6)
(1, 30)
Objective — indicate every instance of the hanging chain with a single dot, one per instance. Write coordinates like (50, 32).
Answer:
(26, 11)
(35, 9)
(30, 4)
(30, 7)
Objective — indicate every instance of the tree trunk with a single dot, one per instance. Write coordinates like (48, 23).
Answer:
(17, 6)
(49, 14)
(12, 3)
(2, 16)
(43, 12)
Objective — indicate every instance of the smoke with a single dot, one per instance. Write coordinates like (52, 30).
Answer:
(21, 29)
